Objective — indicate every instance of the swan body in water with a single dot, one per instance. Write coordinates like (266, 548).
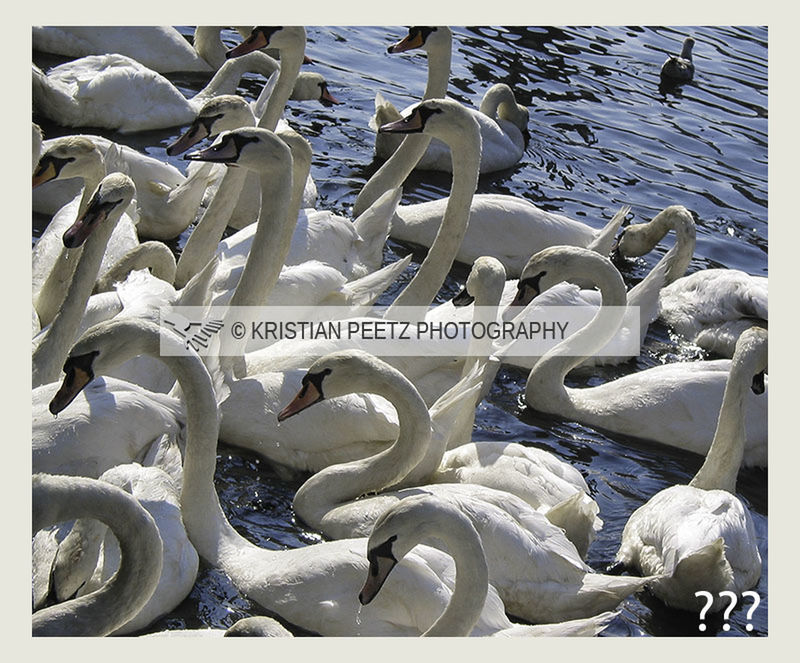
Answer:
(502, 121)
(537, 571)
(314, 587)
(422, 517)
(679, 68)
(674, 404)
(115, 92)
(710, 307)
(701, 536)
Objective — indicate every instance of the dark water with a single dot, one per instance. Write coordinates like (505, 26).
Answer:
(602, 135)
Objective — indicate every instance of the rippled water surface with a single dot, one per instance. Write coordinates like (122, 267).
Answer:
(602, 135)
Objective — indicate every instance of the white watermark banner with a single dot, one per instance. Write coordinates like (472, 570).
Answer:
(410, 331)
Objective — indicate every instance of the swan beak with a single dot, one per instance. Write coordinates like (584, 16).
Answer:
(79, 231)
(407, 43)
(78, 373)
(327, 98)
(306, 397)
(45, 172)
(193, 135)
(407, 125)
(379, 569)
(255, 41)
(218, 153)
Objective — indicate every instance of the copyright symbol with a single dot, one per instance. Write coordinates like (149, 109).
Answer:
(238, 330)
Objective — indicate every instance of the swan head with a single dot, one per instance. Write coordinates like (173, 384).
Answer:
(222, 113)
(67, 157)
(561, 263)
(338, 374)
(752, 355)
(445, 119)
(252, 148)
(101, 349)
(424, 37)
(111, 197)
(269, 37)
(404, 525)
(485, 283)
(641, 238)
(309, 86)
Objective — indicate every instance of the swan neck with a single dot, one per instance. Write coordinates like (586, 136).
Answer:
(430, 276)
(721, 466)
(438, 71)
(342, 483)
(49, 354)
(152, 255)
(271, 241)
(202, 243)
(545, 386)
(57, 499)
(291, 61)
(471, 582)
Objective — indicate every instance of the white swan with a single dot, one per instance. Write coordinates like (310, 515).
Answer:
(248, 627)
(70, 158)
(679, 68)
(710, 307)
(425, 517)
(116, 92)
(97, 552)
(59, 498)
(354, 248)
(642, 301)
(701, 535)
(252, 277)
(674, 404)
(160, 48)
(315, 587)
(508, 228)
(104, 210)
(501, 119)
(537, 571)
(166, 199)
(111, 423)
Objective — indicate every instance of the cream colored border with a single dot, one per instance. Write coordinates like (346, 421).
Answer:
(784, 36)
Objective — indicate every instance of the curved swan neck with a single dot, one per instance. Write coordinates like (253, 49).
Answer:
(466, 156)
(463, 543)
(54, 344)
(545, 383)
(648, 235)
(721, 466)
(291, 60)
(209, 46)
(56, 499)
(495, 97)
(151, 255)
(344, 482)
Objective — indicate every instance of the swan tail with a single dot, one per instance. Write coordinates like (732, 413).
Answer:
(586, 627)
(577, 516)
(702, 565)
(373, 228)
(364, 291)
(453, 413)
(604, 240)
(600, 592)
